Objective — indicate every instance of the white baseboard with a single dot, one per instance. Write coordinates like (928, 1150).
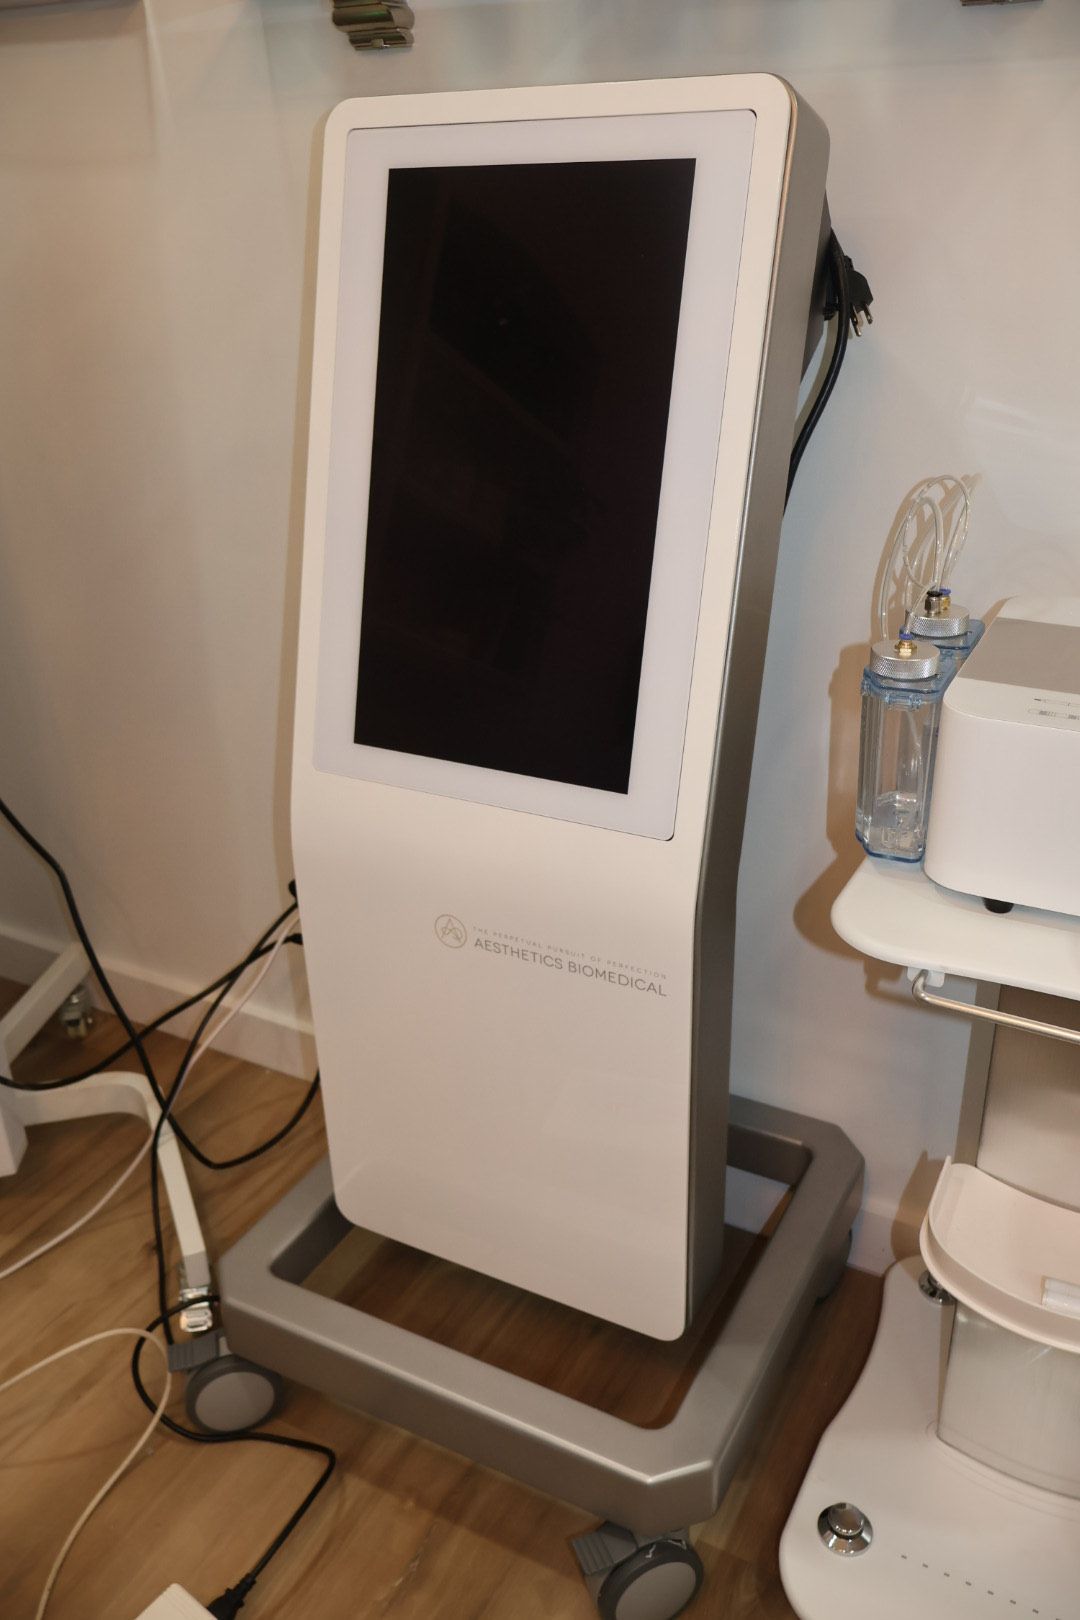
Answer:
(271, 1037)
(882, 1235)
(879, 1235)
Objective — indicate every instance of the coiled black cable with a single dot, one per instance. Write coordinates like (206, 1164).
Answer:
(234, 1437)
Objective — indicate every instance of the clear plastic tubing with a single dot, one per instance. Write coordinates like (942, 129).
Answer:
(901, 705)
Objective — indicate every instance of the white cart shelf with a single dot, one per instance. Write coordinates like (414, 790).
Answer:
(895, 913)
(1013, 1258)
(999, 1250)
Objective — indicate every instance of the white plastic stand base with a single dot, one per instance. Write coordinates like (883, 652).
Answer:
(107, 1093)
(952, 1538)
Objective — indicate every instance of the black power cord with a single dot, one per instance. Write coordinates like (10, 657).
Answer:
(134, 1038)
(85, 941)
(183, 1136)
(225, 980)
(261, 946)
(134, 1041)
(232, 1599)
(848, 302)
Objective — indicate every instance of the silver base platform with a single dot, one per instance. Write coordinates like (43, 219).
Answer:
(648, 1480)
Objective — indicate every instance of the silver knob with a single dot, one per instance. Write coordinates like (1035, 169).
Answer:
(845, 1520)
(845, 1529)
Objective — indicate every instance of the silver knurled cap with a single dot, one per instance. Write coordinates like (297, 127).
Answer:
(953, 622)
(920, 664)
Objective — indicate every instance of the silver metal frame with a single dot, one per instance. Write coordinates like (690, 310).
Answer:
(646, 1479)
(800, 250)
(991, 1015)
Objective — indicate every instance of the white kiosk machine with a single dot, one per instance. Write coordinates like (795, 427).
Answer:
(559, 339)
(558, 345)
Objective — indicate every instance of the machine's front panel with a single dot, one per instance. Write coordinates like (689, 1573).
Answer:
(506, 1045)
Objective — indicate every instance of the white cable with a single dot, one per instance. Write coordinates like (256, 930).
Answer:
(80, 1522)
(208, 1040)
(960, 533)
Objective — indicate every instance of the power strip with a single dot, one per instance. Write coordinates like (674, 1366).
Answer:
(175, 1604)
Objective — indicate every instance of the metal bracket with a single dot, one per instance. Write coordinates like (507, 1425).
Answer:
(197, 1315)
(1031, 1026)
(192, 1353)
(375, 25)
(76, 1013)
(600, 1551)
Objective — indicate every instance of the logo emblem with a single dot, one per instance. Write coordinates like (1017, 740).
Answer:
(451, 931)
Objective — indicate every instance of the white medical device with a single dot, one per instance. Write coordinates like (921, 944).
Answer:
(1003, 817)
(558, 343)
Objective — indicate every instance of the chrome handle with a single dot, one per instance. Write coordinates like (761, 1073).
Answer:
(1031, 1026)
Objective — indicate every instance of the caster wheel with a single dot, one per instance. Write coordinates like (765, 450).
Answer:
(655, 1583)
(230, 1393)
(835, 1276)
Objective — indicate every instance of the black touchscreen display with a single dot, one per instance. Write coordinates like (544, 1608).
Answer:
(527, 338)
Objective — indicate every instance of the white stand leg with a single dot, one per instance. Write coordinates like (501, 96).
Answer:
(38, 1002)
(109, 1093)
(18, 1027)
(121, 1093)
(12, 1140)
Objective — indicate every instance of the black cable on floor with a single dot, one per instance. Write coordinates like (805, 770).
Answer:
(235, 1437)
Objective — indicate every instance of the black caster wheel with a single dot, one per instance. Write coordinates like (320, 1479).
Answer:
(230, 1393)
(657, 1582)
(835, 1276)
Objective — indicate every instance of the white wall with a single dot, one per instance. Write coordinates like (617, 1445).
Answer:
(154, 193)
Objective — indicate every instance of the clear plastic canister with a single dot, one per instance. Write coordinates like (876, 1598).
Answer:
(901, 706)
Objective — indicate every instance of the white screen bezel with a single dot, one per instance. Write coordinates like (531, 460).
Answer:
(721, 142)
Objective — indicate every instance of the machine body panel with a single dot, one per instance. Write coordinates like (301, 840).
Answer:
(521, 985)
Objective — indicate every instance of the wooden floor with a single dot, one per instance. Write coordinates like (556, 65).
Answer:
(404, 1530)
